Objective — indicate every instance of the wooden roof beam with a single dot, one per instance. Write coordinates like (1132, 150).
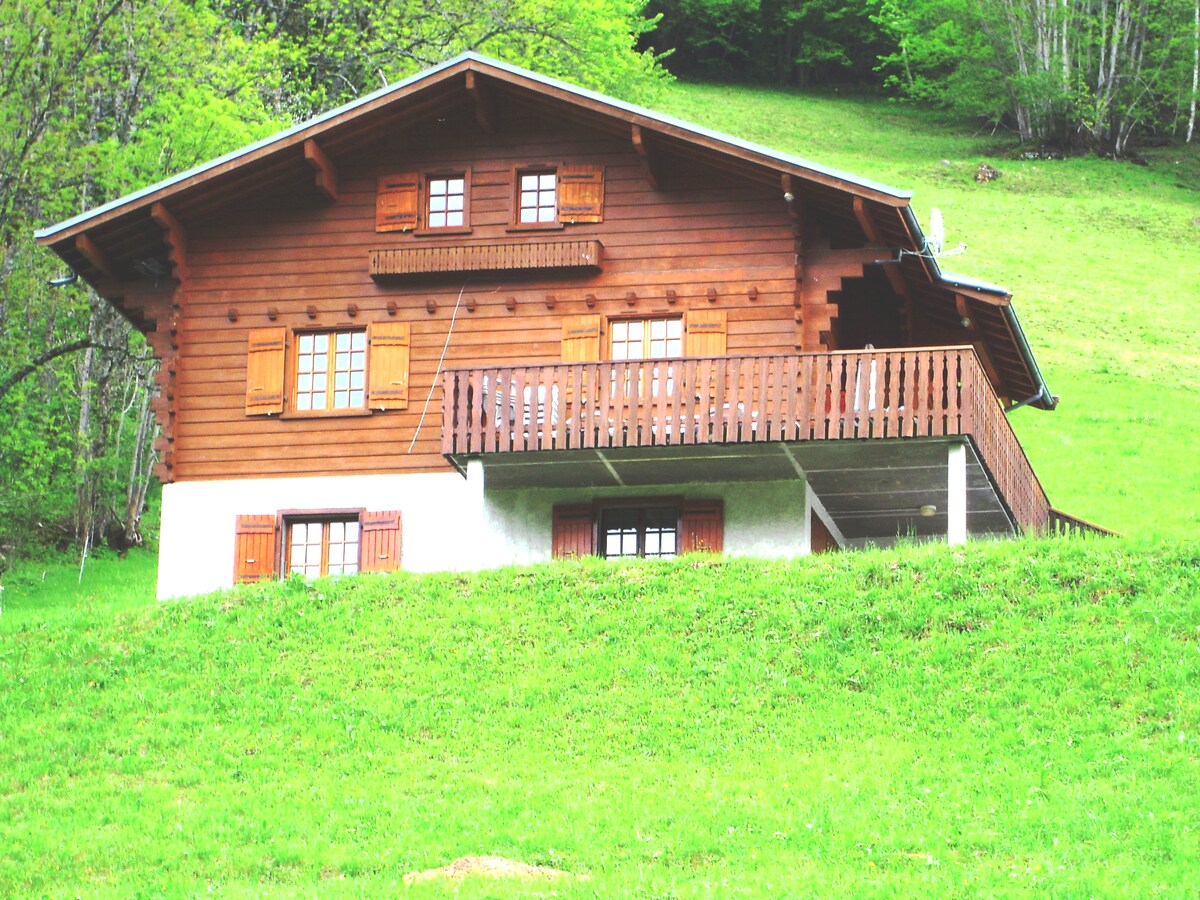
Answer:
(648, 158)
(175, 238)
(326, 173)
(94, 255)
(866, 221)
(485, 108)
(791, 196)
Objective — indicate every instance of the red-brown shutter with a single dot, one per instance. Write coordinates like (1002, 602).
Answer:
(573, 533)
(265, 352)
(380, 547)
(397, 202)
(703, 526)
(581, 194)
(388, 358)
(254, 556)
(580, 338)
(706, 332)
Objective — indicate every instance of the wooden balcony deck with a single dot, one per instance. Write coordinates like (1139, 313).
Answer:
(884, 395)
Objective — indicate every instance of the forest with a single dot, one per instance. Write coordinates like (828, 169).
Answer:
(102, 97)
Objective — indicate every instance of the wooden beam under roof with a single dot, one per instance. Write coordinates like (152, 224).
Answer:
(326, 173)
(866, 221)
(646, 155)
(485, 108)
(175, 238)
(93, 254)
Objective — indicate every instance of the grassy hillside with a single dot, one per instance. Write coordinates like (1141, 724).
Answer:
(1103, 259)
(1012, 719)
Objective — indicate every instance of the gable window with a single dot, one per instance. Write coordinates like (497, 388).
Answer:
(445, 202)
(537, 197)
(322, 547)
(331, 370)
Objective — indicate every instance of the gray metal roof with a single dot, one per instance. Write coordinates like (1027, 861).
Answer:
(733, 142)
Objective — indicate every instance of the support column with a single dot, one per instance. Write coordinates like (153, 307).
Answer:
(956, 500)
(478, 518)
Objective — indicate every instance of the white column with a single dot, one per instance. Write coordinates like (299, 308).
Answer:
(477, 513)
(956, 500)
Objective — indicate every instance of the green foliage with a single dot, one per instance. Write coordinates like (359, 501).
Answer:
(1016, 717)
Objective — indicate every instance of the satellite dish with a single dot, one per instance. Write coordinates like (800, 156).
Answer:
(937, 232)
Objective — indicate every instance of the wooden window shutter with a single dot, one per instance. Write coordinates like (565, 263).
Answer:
(264, 371)
(581, 194)
(397, 202)
(581, 338)
(254, 556)
(380, 548)
(573, 532)
(706, 332)
(703, 526)
(387, 360)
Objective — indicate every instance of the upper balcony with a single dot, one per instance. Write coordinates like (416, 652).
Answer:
(867, 429)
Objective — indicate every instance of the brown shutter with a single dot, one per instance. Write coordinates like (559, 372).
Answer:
(573, 533)
(706, 330)
(254, 556)
(397, 202)
(265, 354)
(380, 548)
(581, 194)
(580, 338)
(703, 526)
(388, 363)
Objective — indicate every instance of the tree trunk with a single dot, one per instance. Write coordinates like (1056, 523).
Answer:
(1191, 129)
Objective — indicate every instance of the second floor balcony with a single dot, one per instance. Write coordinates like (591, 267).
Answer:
(882, 414)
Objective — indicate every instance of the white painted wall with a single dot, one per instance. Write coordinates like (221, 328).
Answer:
(447, 522)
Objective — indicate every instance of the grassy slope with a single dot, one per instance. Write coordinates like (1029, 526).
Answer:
(1103, 259)
(1009, 719)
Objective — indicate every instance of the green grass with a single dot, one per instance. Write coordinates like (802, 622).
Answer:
(1011, 719)
(1103, 259)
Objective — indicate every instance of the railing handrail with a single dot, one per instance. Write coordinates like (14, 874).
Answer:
(908, 393)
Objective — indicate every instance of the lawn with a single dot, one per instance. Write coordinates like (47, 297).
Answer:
(1015, 718)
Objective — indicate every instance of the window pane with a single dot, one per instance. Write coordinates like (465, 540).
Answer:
(306, 343)
(529, 183)
(321, 343)
(454, 218)
(437, 187)
(546, 214)
(456, 186)
(546, 182)
(437, 220)
(437, 204)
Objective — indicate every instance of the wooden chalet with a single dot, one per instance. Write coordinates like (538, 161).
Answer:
(483, 316)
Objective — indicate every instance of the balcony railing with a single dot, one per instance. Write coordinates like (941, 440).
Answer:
(859, 395)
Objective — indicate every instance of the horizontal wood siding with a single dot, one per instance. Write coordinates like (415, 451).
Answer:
(704, 244)
(935, 392)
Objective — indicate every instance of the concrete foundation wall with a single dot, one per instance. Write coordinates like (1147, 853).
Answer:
(448, 522)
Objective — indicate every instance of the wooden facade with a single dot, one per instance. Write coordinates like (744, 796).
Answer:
(409, 226)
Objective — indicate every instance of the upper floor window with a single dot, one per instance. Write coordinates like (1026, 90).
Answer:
(655, 338)
(331, 369)
(537, 197)
(445, 201)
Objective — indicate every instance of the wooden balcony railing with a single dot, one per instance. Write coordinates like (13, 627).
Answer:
(873, 394)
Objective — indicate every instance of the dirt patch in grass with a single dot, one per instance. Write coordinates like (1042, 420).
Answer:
(489, 867)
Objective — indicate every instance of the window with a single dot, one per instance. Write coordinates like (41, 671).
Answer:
(537, 197)
(327, 372)
(639, 531)
(646, 338)
(652, 526)
(331, 370)
(322, 547)
(445, 202)
(315, 543)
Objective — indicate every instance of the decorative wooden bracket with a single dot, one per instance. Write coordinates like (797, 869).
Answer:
(752, 293)
(964, 314)
(589, 300)
(631, 298)
(311, 311)
(272, 313)
(510, 303)
(352, 310)
(672, 296)
(649, 162)
(232, 314)
(430, 306)
(550, 301)
(866, 221)
(471, 305)
(485, 112)
(327, 177)
(176, 240)
(391, 307)
(712, 295)
(94, 255)
(791, 197)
